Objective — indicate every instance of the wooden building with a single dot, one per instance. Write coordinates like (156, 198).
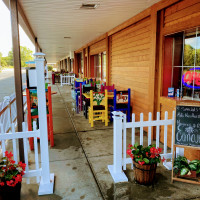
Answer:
(146, 54)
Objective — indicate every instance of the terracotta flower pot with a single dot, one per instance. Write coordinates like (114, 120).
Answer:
(144, 174)
(10, 193)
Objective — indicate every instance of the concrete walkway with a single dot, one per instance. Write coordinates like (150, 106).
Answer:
(80, 157)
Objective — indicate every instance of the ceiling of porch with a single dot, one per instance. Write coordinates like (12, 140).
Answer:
(53, 20)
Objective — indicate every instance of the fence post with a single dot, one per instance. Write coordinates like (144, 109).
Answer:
(47, 182)
(116, 169)
(7, 99)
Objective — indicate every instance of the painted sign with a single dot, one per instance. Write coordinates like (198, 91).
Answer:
(187, 129)
(190, 76)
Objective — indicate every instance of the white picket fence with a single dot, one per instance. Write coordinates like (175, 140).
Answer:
(25, 135)
(67, 79)
(8, 111)
(120, 159)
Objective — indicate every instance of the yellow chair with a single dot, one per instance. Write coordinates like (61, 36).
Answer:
(98, 109)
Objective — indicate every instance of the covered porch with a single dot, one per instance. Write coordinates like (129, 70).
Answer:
(123, 44)
(80, 158)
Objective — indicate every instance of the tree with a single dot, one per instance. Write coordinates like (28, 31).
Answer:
(26, 55)
(189, 53)
(0, 58)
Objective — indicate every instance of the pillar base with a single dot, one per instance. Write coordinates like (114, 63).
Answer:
(46, 188)
(117, 177)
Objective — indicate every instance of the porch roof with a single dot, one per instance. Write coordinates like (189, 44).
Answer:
(52, 20)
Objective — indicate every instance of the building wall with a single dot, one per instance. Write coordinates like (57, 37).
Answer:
(182, 15)
(130, 63)
(178, 17)
(98, 47)
(135, 51)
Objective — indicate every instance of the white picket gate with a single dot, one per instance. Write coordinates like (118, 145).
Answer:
(25, 135)
(67, 79)
(120, 159)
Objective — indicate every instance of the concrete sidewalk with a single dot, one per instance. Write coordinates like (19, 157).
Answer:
(80, 158)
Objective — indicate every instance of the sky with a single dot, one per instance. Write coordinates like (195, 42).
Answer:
(5, 32)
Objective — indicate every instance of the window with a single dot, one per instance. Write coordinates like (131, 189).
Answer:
(100, 66)
(182, 53)
(97, 66)
(104, 66)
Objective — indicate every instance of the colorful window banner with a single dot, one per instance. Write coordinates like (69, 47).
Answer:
(190, 76)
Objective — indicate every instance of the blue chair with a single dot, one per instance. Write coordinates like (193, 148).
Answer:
(77, 86)
(122, 102)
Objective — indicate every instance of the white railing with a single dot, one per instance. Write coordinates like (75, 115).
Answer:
(67, 79)
(120, 140)
(8, 111)
(25, 135)
(38, 172)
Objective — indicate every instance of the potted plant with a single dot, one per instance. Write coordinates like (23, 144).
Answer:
(145, 161)
(10, 177)
(183, 168)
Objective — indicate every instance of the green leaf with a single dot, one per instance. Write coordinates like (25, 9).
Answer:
(184, 171)
(198, 171)
(195, 161)
(136, 144)
(146, 160)
(193, 167)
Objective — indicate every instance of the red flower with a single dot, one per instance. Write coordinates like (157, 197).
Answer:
(18, 178)
(152, 149)
(22, 165)
(8, 155)
(141, 163)
(130, 145)
(2, 184)
(163, 159)
(159, 150)
(129, 151)
(11, 183)
(153, 155)
(132, 157)
(147, 154)
(12, 161)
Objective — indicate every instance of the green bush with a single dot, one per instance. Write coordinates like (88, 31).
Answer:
(50, 68)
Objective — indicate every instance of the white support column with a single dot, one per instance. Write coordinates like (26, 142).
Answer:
(116, 169)
(47, 180)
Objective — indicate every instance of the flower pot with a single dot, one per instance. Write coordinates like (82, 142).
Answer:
(10, 193)
(144, 174)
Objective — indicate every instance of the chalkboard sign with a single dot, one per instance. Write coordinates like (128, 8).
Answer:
(187, 129)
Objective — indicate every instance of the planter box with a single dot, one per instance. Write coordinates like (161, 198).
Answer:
(192, 175)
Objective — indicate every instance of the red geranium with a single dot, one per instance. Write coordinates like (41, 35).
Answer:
(145, 155)
(11, 173)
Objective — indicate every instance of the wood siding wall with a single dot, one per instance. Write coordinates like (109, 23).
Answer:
(181, 16)
(98, 47)
(130, 63)
(178, 17)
